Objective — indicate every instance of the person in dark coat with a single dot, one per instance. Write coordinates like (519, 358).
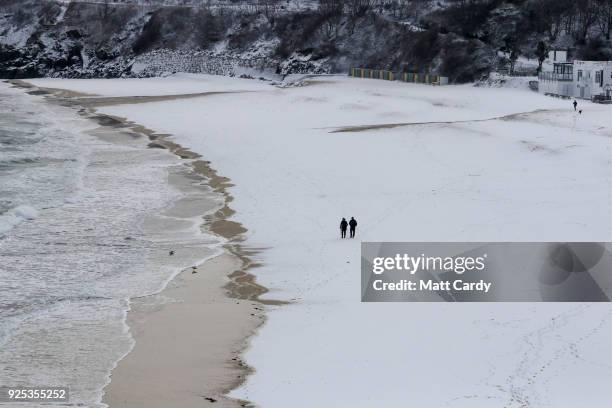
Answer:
(343, 225)
(575, 104)
(353, 225)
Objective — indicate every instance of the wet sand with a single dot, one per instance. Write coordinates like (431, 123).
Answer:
(189, 338)
(363, 128)
(187, 352)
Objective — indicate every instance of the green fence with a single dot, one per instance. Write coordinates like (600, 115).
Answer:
(372, 73)
(418, 78)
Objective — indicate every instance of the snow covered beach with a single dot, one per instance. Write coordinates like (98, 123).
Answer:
(411, 163)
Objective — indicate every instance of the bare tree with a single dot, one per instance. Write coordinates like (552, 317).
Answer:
(586, 18)
(331, 7)
(359, 7)
(268, 7)
(604, 17)
(105, 9)
(552, 14)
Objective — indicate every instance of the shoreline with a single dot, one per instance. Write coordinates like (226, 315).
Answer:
(161, 369)
(294, 179)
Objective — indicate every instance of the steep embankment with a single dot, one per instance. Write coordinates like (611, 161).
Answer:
(463, 40)
(80, 39)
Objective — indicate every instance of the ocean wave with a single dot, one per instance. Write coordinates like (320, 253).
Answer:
(15, 137)
(20, 162)
(11, 164)
(15, 216)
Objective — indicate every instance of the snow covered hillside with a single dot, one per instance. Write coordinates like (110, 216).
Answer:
(411, 163)
(462, 40)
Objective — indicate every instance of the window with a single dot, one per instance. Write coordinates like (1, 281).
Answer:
(598, 76)
(579, 74)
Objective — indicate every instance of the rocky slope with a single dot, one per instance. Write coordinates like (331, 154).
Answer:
(462, 39)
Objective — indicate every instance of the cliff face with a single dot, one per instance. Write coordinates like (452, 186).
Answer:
(463, 40)
(52, 38)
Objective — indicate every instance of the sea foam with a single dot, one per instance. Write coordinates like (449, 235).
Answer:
(16, 216)
(88, 225)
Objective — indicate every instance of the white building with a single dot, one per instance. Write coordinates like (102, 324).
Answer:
(555, 55)
(592, 78)
(559, 81)
(578, 79)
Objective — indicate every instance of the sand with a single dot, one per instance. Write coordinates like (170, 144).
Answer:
(189, 338)
(187, 353)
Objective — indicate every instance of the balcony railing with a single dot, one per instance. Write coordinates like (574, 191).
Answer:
(553, 76)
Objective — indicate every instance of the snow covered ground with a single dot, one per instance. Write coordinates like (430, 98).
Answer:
(175, 85)
(415, 163)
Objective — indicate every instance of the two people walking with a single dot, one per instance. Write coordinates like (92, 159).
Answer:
(344, 225)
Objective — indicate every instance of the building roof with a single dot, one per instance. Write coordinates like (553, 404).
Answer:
(606, 63)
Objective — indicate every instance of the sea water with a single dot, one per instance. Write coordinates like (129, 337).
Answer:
(86, 224)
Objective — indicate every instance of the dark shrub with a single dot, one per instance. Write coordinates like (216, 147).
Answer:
(595, 50)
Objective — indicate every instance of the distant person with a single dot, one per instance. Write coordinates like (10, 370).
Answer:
(580, 111)
(343, 226)
(353, 225)
(575, 104)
